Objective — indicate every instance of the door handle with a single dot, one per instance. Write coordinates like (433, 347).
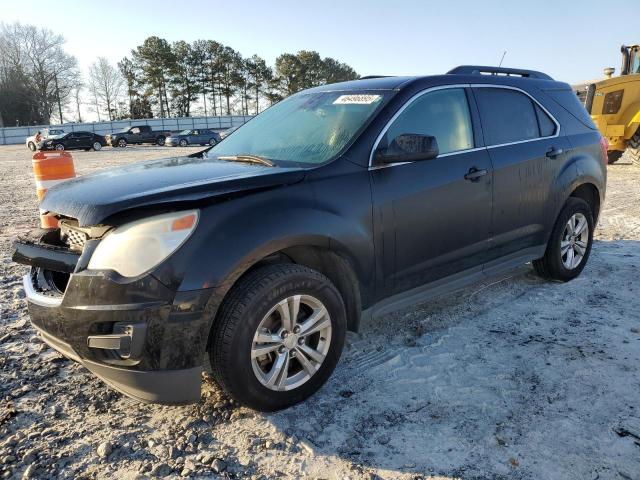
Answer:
(554, 152)
(473, 175)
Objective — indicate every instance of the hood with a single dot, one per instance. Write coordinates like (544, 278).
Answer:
(92, 198)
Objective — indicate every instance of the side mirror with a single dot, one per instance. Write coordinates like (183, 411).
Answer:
(408, 147)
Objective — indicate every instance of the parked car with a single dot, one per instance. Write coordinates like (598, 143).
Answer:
(75, 141)
(341, 202)
(33, 145)
(193, 137)
(137, 135)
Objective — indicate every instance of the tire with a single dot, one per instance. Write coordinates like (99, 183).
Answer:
(32, 146)
(613, 156)
(59, 146)
(234, 342)
(160, 141)
(183, 143)
(97, 146)
(212, 141)
(121, 142)
(632, 152)
(556, 265)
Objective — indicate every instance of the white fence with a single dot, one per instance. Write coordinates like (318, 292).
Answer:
(15, 135)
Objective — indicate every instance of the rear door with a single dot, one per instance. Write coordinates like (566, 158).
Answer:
(434, 216)
(527, 150)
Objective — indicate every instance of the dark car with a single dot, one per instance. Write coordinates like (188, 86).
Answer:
(254, 257)
(137, 135)
(193, 137)
(75, 141)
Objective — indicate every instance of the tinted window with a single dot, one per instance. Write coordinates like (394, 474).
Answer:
(547, 127)
(507, 116)
(443, 114)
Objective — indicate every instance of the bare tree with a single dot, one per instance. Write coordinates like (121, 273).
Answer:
(106, 83)
(39, 54)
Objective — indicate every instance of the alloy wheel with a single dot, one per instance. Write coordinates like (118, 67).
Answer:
(291, 342)
(97, 146)
(575, 240)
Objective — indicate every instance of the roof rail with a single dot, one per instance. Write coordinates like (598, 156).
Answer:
(368, 77)
(480, 70)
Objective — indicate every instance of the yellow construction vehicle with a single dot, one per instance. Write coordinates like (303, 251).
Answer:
(614, 105)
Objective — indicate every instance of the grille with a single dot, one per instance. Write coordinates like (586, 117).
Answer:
(74, 238)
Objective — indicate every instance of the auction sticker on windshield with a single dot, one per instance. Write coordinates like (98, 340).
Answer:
(356, 99)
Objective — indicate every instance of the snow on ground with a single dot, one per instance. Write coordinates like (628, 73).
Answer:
(512, 378)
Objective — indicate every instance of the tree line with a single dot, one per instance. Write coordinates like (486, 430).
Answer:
(40, 83)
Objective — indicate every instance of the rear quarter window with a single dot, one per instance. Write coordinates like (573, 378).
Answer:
(568, 100)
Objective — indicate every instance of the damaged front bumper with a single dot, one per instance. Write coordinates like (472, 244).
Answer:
(139, 336)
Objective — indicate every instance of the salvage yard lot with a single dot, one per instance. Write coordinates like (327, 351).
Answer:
(513, 378)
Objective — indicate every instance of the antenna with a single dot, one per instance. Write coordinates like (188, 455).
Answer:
(503, 55)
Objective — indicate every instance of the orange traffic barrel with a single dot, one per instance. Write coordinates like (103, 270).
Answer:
(49, 169)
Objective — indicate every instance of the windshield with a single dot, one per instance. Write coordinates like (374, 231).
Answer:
(184, 132)
(305, 128)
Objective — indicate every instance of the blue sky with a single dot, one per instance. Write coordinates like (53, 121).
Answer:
(570, 40)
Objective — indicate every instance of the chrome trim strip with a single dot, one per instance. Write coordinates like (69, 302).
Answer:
(459, 85)
(36, 297)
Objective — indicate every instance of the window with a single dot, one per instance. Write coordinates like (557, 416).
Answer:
(443, 114)
(547, 127)
(508, 116)
(306, 128)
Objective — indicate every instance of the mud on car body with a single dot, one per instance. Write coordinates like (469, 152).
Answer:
(253, 258)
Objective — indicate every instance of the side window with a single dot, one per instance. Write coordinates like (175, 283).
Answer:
(443, 114)
(507, 115)
(135, 131)
(547, 127)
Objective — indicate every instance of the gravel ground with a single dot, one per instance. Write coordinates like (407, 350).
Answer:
(513, 378)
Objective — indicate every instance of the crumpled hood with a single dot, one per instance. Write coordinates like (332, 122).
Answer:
(92, 198)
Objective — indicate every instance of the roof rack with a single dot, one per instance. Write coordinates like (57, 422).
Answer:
(483, 70)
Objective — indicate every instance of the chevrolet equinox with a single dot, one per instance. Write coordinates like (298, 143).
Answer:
(253, 258)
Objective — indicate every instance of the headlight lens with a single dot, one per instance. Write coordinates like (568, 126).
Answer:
(137, 247)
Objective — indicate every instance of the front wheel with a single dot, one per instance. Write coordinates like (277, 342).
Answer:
(570, 243)
(212, 141)
(632, 152)
(59, 146)
(183, 143)
(32, 146)
(122, 142)
(278, 336)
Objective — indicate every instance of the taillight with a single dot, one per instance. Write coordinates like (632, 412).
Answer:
(604, 146)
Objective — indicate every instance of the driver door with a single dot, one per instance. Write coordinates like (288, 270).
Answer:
(434, 215)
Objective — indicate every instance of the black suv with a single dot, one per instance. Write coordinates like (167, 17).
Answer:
(254, 257)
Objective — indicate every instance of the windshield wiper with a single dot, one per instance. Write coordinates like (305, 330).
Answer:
(248, 159)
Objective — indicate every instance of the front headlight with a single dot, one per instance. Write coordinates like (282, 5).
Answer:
(137, 247)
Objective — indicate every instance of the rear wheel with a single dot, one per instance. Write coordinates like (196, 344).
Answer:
(97, 146)
(160, 141)
(278, 336)
(570, 243)
(632, 152)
